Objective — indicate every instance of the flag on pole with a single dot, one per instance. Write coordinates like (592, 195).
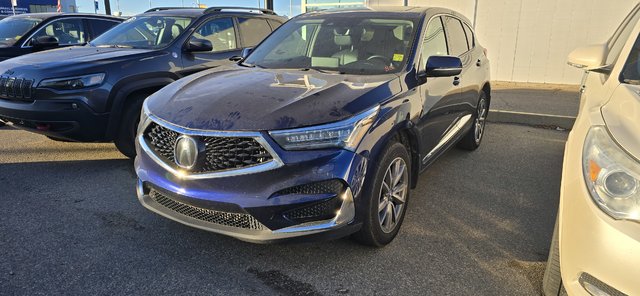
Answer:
(59, 7)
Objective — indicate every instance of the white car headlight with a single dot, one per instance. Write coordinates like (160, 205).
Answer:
(342, 134)
(612, 175)
(76, 82)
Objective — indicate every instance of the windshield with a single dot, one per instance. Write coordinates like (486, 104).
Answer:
(13, 28)
(339, 44)
(144, 32)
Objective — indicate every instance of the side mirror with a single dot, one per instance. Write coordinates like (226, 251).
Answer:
(441, 66)
(196, 45)
(44, 42)
(589, 58)
(243, 55)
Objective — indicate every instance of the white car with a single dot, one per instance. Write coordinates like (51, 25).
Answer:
(596, 242)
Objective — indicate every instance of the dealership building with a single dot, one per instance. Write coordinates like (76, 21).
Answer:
(528, 41)
(33, 6)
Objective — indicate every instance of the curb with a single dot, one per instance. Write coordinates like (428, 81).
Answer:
(565, 122)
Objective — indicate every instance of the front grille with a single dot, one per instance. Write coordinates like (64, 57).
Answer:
(334, 186)
(15, 88)
(326, 209)
(237, 220)
(222, 153)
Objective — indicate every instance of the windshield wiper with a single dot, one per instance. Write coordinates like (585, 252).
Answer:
(632, 81)
(114, 46)
(323, 71)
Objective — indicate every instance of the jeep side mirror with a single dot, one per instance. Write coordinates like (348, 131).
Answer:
(243, 55)
(199, 45)
(441, 66)
(44, 42)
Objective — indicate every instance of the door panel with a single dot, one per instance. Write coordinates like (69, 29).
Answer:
(469, 78)
(222, 34)
(439, 94)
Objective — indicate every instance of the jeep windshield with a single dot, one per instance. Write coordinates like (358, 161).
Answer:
(13, 28)
(340, 43)
(144, 32)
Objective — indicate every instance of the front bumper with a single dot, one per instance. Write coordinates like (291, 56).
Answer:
(68, 119)
(594, 248)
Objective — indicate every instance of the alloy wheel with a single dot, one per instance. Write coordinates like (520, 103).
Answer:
(481, 119)
(393, 195)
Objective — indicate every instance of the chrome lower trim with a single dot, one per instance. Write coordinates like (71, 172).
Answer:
(344, 216)
(275, 163)
(448, 136)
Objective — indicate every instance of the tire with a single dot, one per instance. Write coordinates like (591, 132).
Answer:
(126, 134)
(552, 280)
(2, 123)
(57, 139)
(374, 195)
(471, 141)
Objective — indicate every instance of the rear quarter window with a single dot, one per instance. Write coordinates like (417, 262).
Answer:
(253, 30)
(274, 24)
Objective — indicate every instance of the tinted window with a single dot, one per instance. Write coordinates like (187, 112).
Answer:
(456, 37)
(470, 38)
(620, 37)
(631, 71)
(253, 30)
(13, 28)
(67, 31)
(274, 24)
(220, 32)
(100, 26)
(434, 43)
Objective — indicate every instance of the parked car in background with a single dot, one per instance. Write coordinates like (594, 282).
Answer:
(596, 243)
(321, 131)
(95, 92)
(27, 33)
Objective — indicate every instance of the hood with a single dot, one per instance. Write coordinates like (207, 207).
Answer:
(238, 98)
(622, 117)
(69, 57)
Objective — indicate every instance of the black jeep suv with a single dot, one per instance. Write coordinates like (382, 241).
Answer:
(28, 33)
(94, 93)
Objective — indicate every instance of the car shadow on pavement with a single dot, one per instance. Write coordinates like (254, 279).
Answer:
(478, 223)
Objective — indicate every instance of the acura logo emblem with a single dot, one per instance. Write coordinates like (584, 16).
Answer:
(186, 152)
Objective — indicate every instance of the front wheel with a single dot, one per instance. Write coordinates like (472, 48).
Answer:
(126, 135)
(385, 197)
(471, 141)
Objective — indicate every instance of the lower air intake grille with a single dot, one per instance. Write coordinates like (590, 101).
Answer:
(325, 187)
(319, 211)
(238, 220)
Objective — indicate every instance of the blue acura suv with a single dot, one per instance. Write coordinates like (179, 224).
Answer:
(320, 131)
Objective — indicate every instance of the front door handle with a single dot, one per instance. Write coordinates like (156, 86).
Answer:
(456, 80)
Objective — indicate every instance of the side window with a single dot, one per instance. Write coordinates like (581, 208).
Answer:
(456, 37)
(435, 42)
(253, 30)
(67, 31)
(620, 37)
(220, 32)
(100, 26)
(471, 40)
(274, 24)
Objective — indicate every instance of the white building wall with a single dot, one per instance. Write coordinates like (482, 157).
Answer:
(529, 40)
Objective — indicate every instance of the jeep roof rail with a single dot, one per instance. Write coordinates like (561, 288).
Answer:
(220, 8)
(168, 8)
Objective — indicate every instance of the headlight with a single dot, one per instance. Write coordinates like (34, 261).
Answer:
(77, 82)
(612, 176)
(342, 134)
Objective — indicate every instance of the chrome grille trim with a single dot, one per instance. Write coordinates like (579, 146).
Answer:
(236, 220)
(14, 88)
(274, 163)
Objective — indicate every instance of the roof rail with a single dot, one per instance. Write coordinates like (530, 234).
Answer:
(168, 8)
(221, 8)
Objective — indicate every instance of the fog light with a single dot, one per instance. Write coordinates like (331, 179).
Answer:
(596, 287)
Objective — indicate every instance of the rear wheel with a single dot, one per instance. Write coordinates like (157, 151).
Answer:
(385, 197)
(126, 135)
(473, 138)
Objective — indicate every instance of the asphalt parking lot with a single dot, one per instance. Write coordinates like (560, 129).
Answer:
(478, 224)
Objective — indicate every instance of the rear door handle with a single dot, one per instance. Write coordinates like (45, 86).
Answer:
(456, 80)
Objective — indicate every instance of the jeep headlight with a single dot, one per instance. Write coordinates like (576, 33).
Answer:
(345, 134)
(612, 175)
(76, 82)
